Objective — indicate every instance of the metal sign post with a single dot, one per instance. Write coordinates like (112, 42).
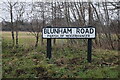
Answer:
(49, 55)
(49, 48)
(89, 54)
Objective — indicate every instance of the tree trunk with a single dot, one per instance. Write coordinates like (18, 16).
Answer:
(13, 38)
(42, 43)
(54, 41)
(37, 39)
(111, 42)
(12, 27)
(16, 38)
(99, 40)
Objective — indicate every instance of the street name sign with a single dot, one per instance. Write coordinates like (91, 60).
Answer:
(69, 32)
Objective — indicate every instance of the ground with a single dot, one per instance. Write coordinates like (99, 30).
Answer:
(67, 61)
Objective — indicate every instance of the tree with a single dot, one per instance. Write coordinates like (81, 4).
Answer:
(10, 7)
(19, 10)
(37, 20)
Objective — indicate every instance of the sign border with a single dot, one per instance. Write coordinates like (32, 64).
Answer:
(70, 27)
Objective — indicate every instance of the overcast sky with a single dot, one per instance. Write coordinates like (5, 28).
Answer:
(4, 15)
(62, 0)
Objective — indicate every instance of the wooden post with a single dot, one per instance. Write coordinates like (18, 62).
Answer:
(49, 55)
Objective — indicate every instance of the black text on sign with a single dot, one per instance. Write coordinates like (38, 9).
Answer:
(69, 32)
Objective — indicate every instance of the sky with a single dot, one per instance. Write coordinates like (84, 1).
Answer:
(62, 0)
(3, 14)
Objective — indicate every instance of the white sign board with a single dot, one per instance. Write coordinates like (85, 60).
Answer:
(71, 32)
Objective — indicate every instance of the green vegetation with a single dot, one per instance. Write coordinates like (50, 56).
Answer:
(67, 61)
